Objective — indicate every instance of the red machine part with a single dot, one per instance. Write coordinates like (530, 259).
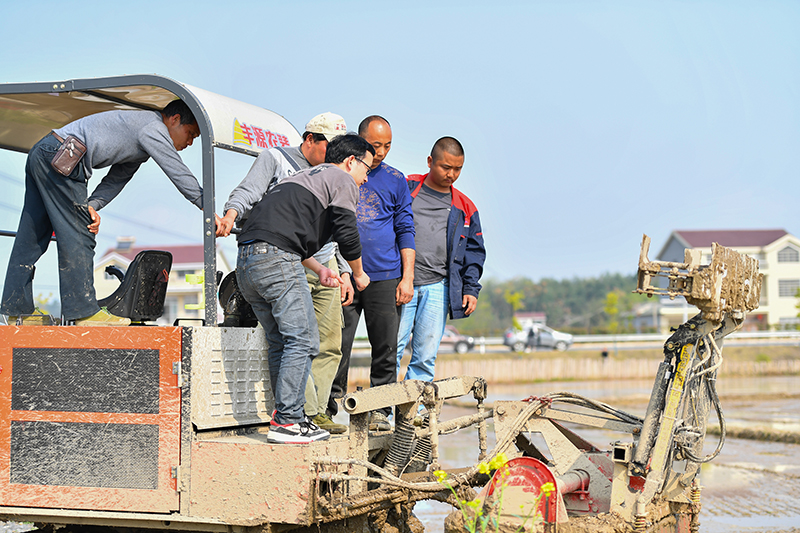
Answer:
(531, 474)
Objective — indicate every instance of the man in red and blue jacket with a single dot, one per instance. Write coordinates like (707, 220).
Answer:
(449, 258)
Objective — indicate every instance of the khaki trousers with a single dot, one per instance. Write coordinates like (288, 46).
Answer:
(328, 308)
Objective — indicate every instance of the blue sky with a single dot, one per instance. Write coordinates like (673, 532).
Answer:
(585, 124)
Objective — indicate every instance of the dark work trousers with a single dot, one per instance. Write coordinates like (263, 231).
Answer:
(382, 315)
(52, 203)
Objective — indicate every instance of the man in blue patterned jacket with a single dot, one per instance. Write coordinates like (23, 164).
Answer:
(386, 227)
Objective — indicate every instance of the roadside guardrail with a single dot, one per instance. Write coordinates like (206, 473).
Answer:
(787, 336)
(651, 337)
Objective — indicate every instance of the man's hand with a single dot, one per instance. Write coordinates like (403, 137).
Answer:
(329, 278)
(360, 277)
(362, 280)
(347, 289)
(469, 303)
(225, 224)
(405, 291)
(94, 227)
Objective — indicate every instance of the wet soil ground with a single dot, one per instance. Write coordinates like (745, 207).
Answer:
(752, 486)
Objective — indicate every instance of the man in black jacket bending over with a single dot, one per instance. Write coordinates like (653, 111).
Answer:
(284, 230)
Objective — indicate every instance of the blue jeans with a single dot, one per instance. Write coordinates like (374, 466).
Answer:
(52, 203)
(273, 282)
(424, 316)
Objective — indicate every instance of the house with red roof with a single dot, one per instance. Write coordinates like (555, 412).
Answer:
(185, 288)
(778, 254)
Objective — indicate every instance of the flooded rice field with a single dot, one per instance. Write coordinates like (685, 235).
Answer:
(752, 486)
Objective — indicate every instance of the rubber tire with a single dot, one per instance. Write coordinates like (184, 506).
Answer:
(461, 347)
(561, 346)
(518, 346)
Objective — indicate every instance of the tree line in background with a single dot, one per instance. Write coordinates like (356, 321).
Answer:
(580, 305)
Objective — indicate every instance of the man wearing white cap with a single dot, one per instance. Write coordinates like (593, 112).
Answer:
(270, 168)
(275, 164)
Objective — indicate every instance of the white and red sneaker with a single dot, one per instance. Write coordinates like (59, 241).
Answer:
(299, 433)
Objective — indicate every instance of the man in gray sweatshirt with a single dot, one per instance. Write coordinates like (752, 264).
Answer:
(289, 225)
(270, 168)
(122, 140)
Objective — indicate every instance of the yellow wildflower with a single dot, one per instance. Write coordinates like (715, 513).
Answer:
(547, 489)
(498, 461)
(484, 468)
(474, 503)
(440, 475)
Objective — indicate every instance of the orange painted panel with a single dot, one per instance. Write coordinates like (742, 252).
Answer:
(164, 497)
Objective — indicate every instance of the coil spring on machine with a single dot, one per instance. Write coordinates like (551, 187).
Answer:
(406, 454)
(694, 524)
(421, 456)
(696, 494)
(402, 444)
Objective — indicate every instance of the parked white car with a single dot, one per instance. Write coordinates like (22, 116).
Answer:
(546, 337)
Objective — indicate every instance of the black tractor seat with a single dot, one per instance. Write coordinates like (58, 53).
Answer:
(143, 290)
(238, 313)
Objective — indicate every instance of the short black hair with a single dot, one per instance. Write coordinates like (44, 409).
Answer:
(344, 146)
(449, 145)
(179, 107)
(316, 137)
(364, 126)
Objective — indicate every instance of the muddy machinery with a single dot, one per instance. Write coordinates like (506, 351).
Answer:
(163, 427)
(644, 482)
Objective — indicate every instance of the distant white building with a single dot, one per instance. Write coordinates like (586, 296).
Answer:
(183, 297)
(646, 317)
(778, 254)
(526, 320)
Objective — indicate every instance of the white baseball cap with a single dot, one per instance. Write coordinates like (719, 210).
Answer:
(328, 124)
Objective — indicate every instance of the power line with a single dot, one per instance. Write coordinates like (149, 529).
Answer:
(10, 207)
(11, 179)
(148, 226)
(114, 216)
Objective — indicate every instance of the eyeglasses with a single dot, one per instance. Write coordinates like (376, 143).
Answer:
(362, 162)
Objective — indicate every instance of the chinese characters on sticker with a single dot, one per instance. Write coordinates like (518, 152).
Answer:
(258, 137)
